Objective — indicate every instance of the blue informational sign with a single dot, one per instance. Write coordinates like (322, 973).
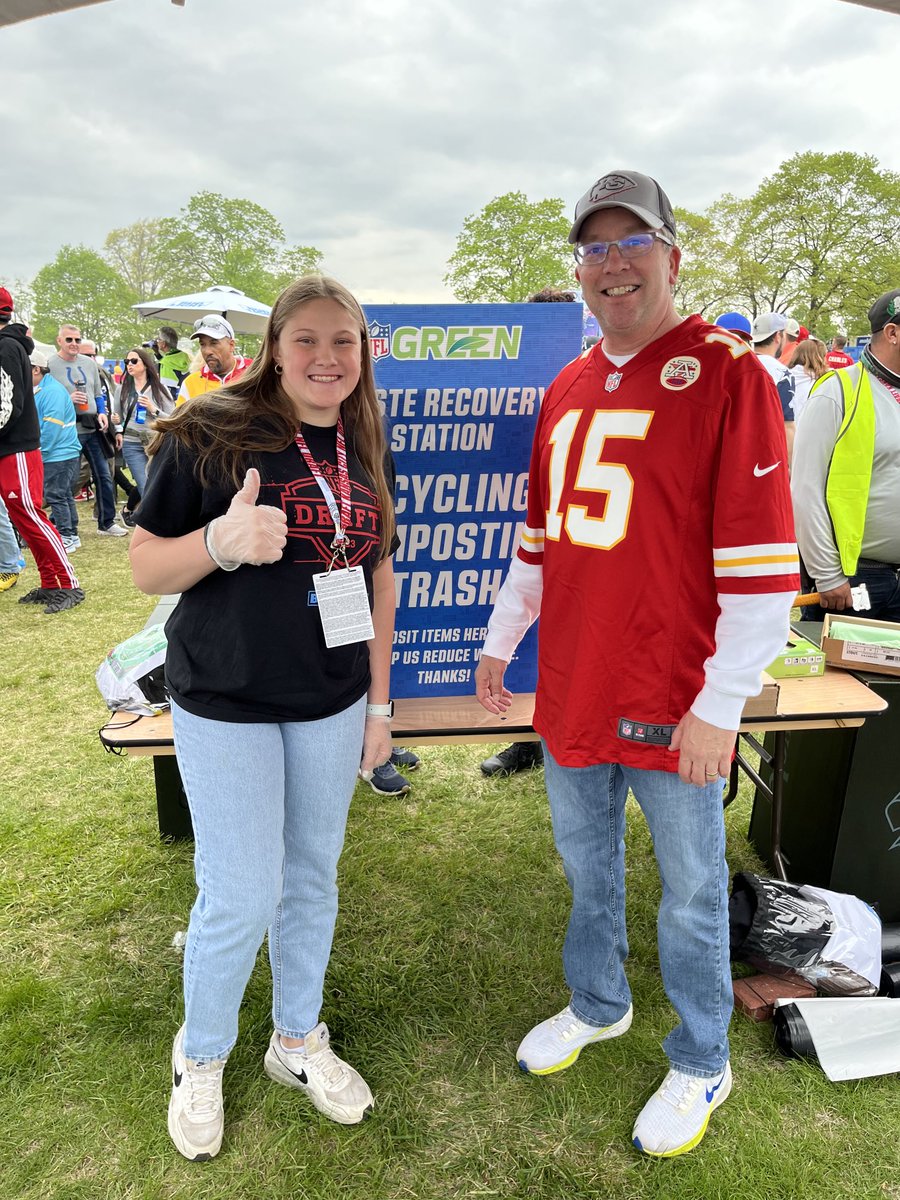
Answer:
(461, 386)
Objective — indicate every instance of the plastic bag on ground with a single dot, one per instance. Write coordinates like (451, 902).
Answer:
(830, 939)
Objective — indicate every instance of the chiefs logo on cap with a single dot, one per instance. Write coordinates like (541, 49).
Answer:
(611, 185)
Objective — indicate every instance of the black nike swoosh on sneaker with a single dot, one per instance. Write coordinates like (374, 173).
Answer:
(176, 1078)
(299, 1075)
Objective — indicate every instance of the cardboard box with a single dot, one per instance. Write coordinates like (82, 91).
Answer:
(765, 704)
(799, 657)
(860, 656)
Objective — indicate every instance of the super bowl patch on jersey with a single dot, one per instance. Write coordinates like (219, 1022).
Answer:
(679, 373)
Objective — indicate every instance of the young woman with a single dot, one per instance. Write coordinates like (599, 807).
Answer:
(269, 507)
(807, 364)
(141, 398)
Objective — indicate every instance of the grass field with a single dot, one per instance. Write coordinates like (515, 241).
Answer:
(447, 950)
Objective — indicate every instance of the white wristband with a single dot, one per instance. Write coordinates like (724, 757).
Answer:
(380, 710)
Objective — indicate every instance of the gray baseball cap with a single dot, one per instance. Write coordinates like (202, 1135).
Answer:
(626, 189)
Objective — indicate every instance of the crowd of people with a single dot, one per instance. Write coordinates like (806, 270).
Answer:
(672, 459)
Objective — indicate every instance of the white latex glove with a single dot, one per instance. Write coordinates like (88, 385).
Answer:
(377, 745)
(248, 533)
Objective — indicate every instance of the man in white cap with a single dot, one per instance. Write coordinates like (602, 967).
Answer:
(768, 336)
(659, 551)
(791, 339)
(220, 362)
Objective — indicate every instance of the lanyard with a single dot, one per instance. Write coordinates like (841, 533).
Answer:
(341, 517)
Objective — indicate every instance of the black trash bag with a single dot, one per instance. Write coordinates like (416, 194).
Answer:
(831, 940)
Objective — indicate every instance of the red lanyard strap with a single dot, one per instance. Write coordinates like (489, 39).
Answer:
(341, 517)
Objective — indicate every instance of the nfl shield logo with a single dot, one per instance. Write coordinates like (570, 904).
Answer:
(379, 340)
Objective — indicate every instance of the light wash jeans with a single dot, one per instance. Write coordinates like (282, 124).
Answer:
(136, 461)
(587, 805)
(269, 806)
(10, 553)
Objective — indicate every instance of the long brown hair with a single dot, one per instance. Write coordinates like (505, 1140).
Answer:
(254, 414)
(810, 355)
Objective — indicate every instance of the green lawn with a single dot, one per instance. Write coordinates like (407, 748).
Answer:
(447, 950)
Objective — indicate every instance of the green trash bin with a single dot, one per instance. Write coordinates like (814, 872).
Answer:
(841, 814)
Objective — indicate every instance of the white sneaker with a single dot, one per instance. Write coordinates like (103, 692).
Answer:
(331, 1084)
(113, 531)
(675, 1117)
(196, 1110)
(556, 1043)
(72, 544)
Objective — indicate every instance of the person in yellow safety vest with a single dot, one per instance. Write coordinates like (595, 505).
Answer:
(220, 363)
(846, 475)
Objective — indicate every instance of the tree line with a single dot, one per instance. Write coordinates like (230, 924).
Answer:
(213, 239)
(817, 240)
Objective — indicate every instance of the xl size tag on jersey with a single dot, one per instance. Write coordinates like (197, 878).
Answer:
(343, 606)
(644, 731)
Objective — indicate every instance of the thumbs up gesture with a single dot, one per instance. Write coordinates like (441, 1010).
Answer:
(249, 532)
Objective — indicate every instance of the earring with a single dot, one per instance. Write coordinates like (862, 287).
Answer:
(279, 369)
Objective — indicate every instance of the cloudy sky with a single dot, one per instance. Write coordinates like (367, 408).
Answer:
(372, 129)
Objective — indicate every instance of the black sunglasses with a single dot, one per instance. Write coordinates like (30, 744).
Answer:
(132, 362)
(77, 341)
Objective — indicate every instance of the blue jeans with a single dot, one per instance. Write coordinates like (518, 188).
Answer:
(883, 584)
(587, 805)
(136, 461)
(92, 449)
(59, 480)
(269, 806)
(9, 547)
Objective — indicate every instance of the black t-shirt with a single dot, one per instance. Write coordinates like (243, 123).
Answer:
(247, 645)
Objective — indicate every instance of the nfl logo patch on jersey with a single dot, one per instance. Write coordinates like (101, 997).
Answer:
(679, 373)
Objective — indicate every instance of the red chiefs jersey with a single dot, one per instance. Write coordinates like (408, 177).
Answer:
(835, 359)
(653, 487)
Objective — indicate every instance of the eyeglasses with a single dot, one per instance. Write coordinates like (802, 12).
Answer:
(636, 245)
(132, 362)
(77, 341)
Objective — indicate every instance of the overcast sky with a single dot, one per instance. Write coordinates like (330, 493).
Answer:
(371, 130)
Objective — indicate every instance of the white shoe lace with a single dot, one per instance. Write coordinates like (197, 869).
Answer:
(327, 1064)
(204, 1092)
(567, 1025)
(681, 1090)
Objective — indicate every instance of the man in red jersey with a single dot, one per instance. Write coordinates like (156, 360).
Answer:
(659, 552)
(837, 356)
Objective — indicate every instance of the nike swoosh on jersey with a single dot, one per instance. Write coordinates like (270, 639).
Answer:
(760, 471)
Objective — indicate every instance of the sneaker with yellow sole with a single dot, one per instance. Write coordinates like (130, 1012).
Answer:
(556, 1043)
(676, 1116)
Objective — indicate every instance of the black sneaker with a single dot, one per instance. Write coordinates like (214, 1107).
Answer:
(520, 756)
(62, 598)
(387, 781)
(404, 758)
(128, 518)
(39, 595)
